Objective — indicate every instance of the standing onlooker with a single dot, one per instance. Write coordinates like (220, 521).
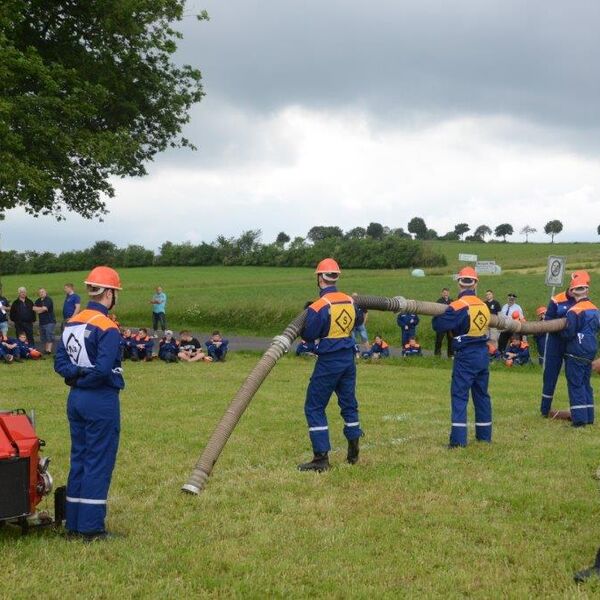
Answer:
(4, 310)
(360, 326)
(159, 305)
(72, 304)
(440, 335)
(44, 308)
(508, 310)
(21, 313)
(494, 308)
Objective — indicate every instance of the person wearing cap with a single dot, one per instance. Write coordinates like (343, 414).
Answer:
(468, 319)
(329, 324)
(508, 310)
(581, 345)
(554, 356)
(88, 357)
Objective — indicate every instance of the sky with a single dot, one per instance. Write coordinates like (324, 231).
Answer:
(345, 112)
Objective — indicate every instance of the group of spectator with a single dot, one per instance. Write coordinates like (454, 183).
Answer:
(24, 312)
(136, 344)
(139, 346)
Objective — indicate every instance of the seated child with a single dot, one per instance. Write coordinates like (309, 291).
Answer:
(517, 352)
(168, 347)
(141, 346)
(126, 343)
(24, 350)
(9, 349)
(217, 347)
(190, 349)
(408, 326)
(412, 348)
(379, 349)
(305, 348)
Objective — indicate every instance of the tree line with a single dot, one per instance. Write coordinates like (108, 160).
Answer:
(390, 252)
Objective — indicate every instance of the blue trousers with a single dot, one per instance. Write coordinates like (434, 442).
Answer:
(334, 372)
(217, 354)
(553, 360)
(581, 395)
(471, 373)
(94, 419)
(407, 334)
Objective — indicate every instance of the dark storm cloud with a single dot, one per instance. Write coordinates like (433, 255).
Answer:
(532, 60)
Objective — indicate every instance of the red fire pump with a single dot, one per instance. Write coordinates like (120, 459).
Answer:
(24, 477)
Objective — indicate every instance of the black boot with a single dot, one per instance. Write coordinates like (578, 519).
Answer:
(593, 571)
(353, 450)
(319, 463)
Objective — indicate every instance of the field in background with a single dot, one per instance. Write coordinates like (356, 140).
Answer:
(412, 519)
(263, 300)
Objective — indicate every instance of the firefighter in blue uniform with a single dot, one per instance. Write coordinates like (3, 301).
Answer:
(88, 357)
(468, 319)
(581, 344)
(329, 323)
(555, 346)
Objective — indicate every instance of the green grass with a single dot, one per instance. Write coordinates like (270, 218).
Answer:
(513, 519)
(263, 300)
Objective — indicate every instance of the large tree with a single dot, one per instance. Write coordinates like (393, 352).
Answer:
(375, 231)
(88, 90)
(417, 226)
(482, 231)
(461, 229)
(553, 228)
(503, 230)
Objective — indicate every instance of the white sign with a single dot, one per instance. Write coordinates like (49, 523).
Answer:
(467, 257)
(487, 266)
(555, 271)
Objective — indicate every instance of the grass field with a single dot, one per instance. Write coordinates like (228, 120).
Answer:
(513, 519)
(263, 300)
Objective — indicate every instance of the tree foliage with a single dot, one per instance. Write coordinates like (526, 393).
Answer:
(318, 233)
(88, 90)
(503, 230)
(282, 238)
(553, 228)
(375, 231)
(461, 229)
(357, 233)
(482, 231)
(417, 226)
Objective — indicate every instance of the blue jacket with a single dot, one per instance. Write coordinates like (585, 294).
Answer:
(87, 355)
(407, 321)
(583, 324)
(212, 348)
(164, 346)
(558, 306)
(330, 320)
(467, 318)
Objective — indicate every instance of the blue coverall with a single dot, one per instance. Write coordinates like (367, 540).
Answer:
(4, 351)
(468, 319)
(382, 349)
(144, 353)
(87, 357)
(555, 350)
(217, 353)
(520, 350)
(329, 324)
(408, 325)
(581, 344)
(168, 350)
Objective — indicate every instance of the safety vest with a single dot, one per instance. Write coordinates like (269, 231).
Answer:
(342, 314)
(479, 315)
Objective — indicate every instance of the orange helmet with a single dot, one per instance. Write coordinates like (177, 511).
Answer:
(579, 279)
(103, 277)
(540, 310)
(516, 315)
(328, 269)
(580, 275)
(468, 276)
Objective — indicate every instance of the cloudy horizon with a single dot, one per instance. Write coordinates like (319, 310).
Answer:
(341, 115)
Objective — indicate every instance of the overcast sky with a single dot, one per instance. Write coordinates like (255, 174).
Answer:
(345, 112)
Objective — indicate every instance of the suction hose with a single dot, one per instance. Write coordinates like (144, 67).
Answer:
(282, 343)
